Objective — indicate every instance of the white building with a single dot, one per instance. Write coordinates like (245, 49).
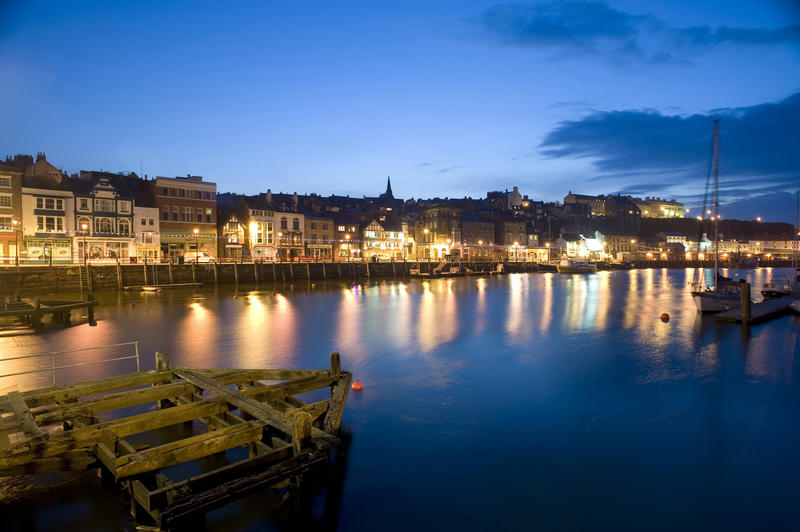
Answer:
(48, 219)
(146, 239)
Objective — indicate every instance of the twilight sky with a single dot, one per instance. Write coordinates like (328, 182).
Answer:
(449, 98)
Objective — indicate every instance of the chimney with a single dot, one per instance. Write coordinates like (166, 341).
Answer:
(269, 196)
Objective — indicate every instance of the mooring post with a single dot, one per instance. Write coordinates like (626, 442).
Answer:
(144, 269)
(339, 391)
(194, 272)
(90, 308)
(308, 271)
(119, 275)
(235, 273)
(36, 319)
(162, 365)
(744, 301)
(301, 432)
(170, 271)
(394, 272)
(291, 271)
(274, 275)
(324, 273)
(339, 267)
(255, 272)
(216, 279)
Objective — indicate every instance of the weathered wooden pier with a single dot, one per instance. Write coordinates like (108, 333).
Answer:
(254, 411)
(31, 311)
(749, 312)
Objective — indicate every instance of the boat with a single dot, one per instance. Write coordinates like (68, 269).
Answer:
(576, 266)
(724, 294)
(789, 287)
(795, 306)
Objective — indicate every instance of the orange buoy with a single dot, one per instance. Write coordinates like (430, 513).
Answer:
(665, 317)
(357, 386)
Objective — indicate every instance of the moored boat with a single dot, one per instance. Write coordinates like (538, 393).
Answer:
(576, 266)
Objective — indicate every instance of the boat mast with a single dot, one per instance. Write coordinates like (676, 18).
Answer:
(796, 228)
(716, 203)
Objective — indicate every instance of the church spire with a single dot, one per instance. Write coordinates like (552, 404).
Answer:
(389, 187)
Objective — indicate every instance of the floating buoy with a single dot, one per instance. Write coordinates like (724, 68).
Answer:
(159, 290)
(357, 386)
(665, 317)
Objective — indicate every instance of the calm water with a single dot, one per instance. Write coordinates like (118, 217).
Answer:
(520, 402)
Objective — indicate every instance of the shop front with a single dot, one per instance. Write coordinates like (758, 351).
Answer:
(105, 249)
(48, 249)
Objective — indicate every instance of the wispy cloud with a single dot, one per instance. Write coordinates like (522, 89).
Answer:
(758, 146)
(596, 28)
(450, 168)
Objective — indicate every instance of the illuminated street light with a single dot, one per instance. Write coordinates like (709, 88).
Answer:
(84, 228)
(15, 223)
(758, 218)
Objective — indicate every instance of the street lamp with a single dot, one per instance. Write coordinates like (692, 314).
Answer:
(196, 247)
(84, 227)
(15, 223)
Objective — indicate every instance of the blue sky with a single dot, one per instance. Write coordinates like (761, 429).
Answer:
(449, 98)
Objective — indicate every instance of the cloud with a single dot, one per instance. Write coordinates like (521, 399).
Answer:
(449, 168)
(758, 146)
(595, 28)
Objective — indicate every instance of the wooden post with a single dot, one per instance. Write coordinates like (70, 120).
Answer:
(291, 271)
(339, 391)
(236, 273)
(324, 273)
(155, 273)
(36, 319)
(308, 271)
(216, 280)
(144, 267)
(162, 365)
(301, 432)
(89, 283)
(274, 276)
(170, 271)
(744, 301)
(194, 272)
(339, 266)
(90, 309)
(367, 263)
(394, 272)
(255, 272)
(351, 271)
(119, 275)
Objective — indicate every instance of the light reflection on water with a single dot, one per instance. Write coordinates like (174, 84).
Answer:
(585, 384)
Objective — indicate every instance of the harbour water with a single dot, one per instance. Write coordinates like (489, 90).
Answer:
(495, 403)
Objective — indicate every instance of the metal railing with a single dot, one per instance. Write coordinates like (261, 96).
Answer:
(53, 354)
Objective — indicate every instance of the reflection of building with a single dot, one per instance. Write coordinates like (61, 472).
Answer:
(103, 218)
(319, 236)
(383, 240)
(185, 204)
(47, 214)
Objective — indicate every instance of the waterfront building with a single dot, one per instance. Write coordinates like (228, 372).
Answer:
(146, 232)
(185, 204)
(505, 201)
(103, 211)
(626, 244)
(347, 236)
(260, 221)
(319, 236)
(511, 237)
(290, 235)
(11, 171)
(477, 237)
(597, 204)
(438, 232)
(383, 239)
(659, 208)
(48, 218)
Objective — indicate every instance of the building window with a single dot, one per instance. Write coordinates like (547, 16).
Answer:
(175, 214)
(198, 194)
(143, 221)
(208, 215)
(5, 182)
(165, 213)
(324, 239)
(181, 192)
(124, 206)
(340, 229)
(5, 200)
(165, 191)
(324, 226)
(50, 224)
(124, 227)
(83, 220)
(269, 233)
(295, 224)
(284, 223)
(84, 204)
(104, 205)
(5, 223)
(147, 238)
(313, 225)
(199, 215)
(103, 225)
(313, 239)
(187, 214)
(151, 221)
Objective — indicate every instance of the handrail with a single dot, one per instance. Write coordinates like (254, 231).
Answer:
(53, 367)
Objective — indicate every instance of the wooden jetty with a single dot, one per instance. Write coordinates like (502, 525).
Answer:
(159, 287)
(72, 427)
(761, 311)
(31, 311)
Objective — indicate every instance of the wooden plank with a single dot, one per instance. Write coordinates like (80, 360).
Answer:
(339, 391)
(186, 506)
(189, 449)
(160, 498)
(268, 374)
(128, 398)
(69, 461)
(758, 311)
(265, 413)
(24, 417)
(58, 394)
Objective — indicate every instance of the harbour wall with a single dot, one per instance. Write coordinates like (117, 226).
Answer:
(62, 278)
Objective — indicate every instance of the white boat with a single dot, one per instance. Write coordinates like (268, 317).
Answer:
(724, 294)
(576, 266)
(795, 306)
